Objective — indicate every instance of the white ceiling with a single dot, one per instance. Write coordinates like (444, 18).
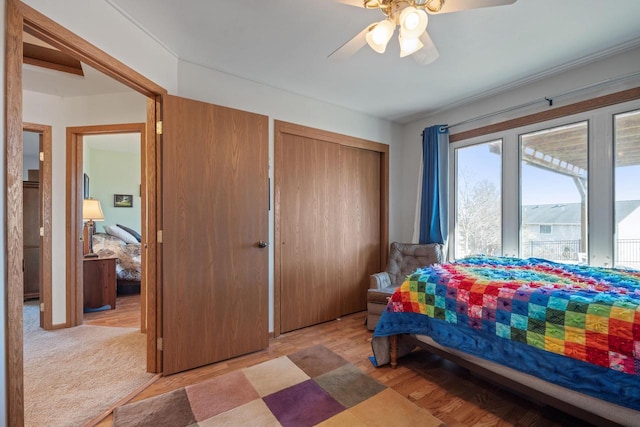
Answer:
(45, 80)
(285, 44)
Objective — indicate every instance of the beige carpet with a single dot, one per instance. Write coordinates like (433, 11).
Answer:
(73, 375)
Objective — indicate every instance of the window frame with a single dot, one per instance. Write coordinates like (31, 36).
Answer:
(541, 127)
(614, 254)
(601, 189)
(453, 199)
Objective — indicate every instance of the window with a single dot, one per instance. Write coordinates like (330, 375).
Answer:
(553, 191)
(627, 192)
(568, 192)
(478, 199)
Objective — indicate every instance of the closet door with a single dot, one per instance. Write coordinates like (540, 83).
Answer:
(328, 224)
(360, 185)
(310, 227)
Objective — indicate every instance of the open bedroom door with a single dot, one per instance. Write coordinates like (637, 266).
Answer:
(215, 225)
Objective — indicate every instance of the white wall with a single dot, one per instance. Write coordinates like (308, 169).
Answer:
(61, 113)
(30, 158)
(600, 71)
(116, 172)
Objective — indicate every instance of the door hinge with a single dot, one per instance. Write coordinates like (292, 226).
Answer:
(41, 156)
(159, 344)
(159, 239)
(159, 127)
(41, 231)
(42, 307)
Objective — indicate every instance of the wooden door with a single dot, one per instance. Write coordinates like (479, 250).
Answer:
(329, 225)
(215, 211)
(31, 242)
(360, 184)
(309, 232)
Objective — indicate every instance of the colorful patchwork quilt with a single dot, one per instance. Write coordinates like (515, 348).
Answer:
(586, 313)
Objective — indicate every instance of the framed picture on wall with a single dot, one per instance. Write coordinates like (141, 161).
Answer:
(85, 187)
(123, 200)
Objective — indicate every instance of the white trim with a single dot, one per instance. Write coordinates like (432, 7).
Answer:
(416, 219)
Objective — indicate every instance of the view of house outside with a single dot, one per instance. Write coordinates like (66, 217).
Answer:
(626, 140)
(553, 194)
(554, 221)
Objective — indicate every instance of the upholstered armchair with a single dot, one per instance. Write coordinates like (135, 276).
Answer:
(404, 259)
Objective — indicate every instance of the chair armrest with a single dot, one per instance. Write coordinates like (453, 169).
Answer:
(379, 281)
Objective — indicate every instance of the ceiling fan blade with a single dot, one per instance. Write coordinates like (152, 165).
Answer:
(356, 3)
(458, 5)
(350, 47)
(428, 53)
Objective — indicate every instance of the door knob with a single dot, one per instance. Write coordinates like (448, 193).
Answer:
(263, 244)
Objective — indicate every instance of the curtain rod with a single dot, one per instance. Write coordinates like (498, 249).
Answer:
(548, 99)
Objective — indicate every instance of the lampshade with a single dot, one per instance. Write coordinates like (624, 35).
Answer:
(413, 22)
(379, 35)
(409, 45)
(91, 210)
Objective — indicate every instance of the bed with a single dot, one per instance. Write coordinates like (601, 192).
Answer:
(129, 259)
(565, 335)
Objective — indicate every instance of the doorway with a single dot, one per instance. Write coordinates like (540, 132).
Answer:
(19, 18)
(77, 191)
(40, 154)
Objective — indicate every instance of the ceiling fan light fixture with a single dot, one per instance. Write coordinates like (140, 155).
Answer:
(379, 35)
(433, 6)
(409, 45)
(413, 22)
(371, 4)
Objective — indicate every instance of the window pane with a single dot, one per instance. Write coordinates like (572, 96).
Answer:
(478, 200)
(627, 191)
(553, 193)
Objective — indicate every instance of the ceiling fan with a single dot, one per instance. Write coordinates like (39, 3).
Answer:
(411, 17)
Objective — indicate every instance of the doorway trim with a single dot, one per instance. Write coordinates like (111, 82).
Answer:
(282, 128)
(74, 244)
(45, 204)
(19, 18)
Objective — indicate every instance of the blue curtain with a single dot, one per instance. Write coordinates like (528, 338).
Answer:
(434, 204)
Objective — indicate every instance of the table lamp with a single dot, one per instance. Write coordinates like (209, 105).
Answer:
(91, 211)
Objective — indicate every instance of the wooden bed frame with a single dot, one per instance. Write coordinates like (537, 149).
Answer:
(590, 409)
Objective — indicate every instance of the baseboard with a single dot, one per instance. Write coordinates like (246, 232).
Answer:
(122, 401)
(59, 326)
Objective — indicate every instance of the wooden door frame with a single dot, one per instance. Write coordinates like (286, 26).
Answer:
(19, 18)
(281, 128)
(74, 243)
(45, 222)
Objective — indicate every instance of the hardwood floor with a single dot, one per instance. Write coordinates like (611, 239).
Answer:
(125, 315)
(447, 391)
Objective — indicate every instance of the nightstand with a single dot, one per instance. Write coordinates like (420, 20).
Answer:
(99, 282)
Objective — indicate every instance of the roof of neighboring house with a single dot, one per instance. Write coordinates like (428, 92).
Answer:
(569, 213)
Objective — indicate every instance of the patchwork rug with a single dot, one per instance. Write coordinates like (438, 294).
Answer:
(311, 387)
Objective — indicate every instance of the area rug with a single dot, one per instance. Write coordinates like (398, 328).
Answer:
(311, 387)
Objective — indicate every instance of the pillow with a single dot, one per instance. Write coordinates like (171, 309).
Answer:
(120, 233)
(134, 233)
